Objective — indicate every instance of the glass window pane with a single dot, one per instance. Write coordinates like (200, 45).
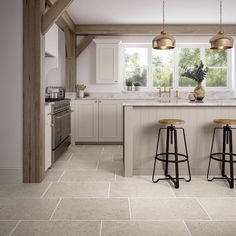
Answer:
(215, 58)
(136, 64)
(188, 57)
(162, 68)
(216, 77)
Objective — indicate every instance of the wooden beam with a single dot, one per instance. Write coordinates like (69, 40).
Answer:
(84, 44)
(33, 92)
(145, 29)
(70, 44)
(52, 15)
(64, 20)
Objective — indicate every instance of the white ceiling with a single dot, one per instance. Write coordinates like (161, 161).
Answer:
(150, 11)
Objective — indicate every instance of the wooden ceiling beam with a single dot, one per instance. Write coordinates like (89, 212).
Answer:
(52, 15)
(152, 29)
(84, 44)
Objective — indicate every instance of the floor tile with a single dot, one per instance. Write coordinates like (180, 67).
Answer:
(133, 189)
(110, 165)
(65, 190)
(92, 209)
(53, 175)
(6, 227)
(167, 209)
(143, 228)
(136, 178)
(65, 156)
(22, 190)
(26, 209)
(75, 165)
(56, 228)
(91, 156)
(212, 228)
(220, 208)
(204, 188)
(87, 176)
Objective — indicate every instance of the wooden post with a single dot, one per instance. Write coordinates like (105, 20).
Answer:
(70, 43)
(33, 92)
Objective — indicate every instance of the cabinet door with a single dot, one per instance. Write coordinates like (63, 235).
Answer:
(48, 137)
(107, 63)
(110, 121)
(86, 121)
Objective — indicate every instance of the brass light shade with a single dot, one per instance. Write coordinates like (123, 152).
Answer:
(221, 41)
(163, 41)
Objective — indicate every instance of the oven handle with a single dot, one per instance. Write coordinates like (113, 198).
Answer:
(53, 114)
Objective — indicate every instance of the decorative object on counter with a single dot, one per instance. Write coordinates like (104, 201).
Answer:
(80, 90)
(198, 73)
(163, 41)
(221, 41)
(191, 97)
(137, 85)
(129, 84)
(166, 90)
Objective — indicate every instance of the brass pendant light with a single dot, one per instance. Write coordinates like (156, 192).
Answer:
(163, 41)
(221, 41)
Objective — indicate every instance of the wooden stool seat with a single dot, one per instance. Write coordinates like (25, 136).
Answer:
(171, 122)
(225, 121)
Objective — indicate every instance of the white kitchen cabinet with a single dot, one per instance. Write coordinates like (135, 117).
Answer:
(107, 61)
(48, 137)
(86, 121)
(110, 121)
(98, 121)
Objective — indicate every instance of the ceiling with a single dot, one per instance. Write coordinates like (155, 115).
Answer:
(150, 11)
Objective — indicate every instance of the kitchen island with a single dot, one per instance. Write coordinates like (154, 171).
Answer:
(141, 130)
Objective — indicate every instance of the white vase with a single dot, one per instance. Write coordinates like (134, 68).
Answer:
(81, 93)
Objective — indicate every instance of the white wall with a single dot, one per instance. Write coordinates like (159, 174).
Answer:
(55, 66)
(11, 100)
(86, 62)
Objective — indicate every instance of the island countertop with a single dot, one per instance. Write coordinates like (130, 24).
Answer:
(180, 102)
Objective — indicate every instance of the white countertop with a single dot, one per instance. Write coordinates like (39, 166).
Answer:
(180, 102)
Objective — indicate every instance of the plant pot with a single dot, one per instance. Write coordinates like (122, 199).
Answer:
(129, 88)
(199, 92)
(81, 93)
(136, 88)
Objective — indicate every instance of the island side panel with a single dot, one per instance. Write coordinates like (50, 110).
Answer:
(198, 127)
(128, 141)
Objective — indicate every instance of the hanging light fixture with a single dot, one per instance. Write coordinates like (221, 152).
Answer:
(221, 41)
(163, 41)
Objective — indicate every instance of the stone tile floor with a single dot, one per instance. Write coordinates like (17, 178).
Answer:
(84, 193)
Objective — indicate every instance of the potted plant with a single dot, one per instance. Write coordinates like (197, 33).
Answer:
(129, 84)
(137, 85)
(198, 73)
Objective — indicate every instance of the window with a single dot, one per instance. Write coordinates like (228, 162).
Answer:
(157, 68)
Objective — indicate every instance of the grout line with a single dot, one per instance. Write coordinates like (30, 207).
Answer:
(13, 230)
(115, 175)
(71, 155)
(129, 209)
(109, 190)
(55, 208)
(204, 209)
(171, 189)
(100, 232)
(97, 165)
(46, 190)
(61, 176)
(187, 228)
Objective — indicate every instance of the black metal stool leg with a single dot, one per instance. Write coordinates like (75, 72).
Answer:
(209, 164)
(186, 151)
(167, 150)
(154, 168)
(176, 159)
(231, 184)
(225, 133)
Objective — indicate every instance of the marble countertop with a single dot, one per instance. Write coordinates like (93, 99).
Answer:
(181, 102)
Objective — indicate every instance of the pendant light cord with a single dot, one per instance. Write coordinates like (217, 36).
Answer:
(163, 9)
(221, 28)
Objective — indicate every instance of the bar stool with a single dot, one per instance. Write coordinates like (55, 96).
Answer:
(224, 156)
(171, 130)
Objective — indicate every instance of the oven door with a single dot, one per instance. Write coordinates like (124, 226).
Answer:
(61, 127)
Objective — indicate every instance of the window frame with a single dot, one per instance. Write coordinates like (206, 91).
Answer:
(201, 46)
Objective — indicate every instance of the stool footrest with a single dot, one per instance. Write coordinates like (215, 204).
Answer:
(171, 154)
(220, 153)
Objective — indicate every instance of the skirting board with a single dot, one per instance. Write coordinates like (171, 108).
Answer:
(9, 176)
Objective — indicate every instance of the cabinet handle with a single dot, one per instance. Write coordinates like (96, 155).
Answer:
(100, 101)
(95, 101)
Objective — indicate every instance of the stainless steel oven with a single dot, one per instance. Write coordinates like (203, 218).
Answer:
(61, 128)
